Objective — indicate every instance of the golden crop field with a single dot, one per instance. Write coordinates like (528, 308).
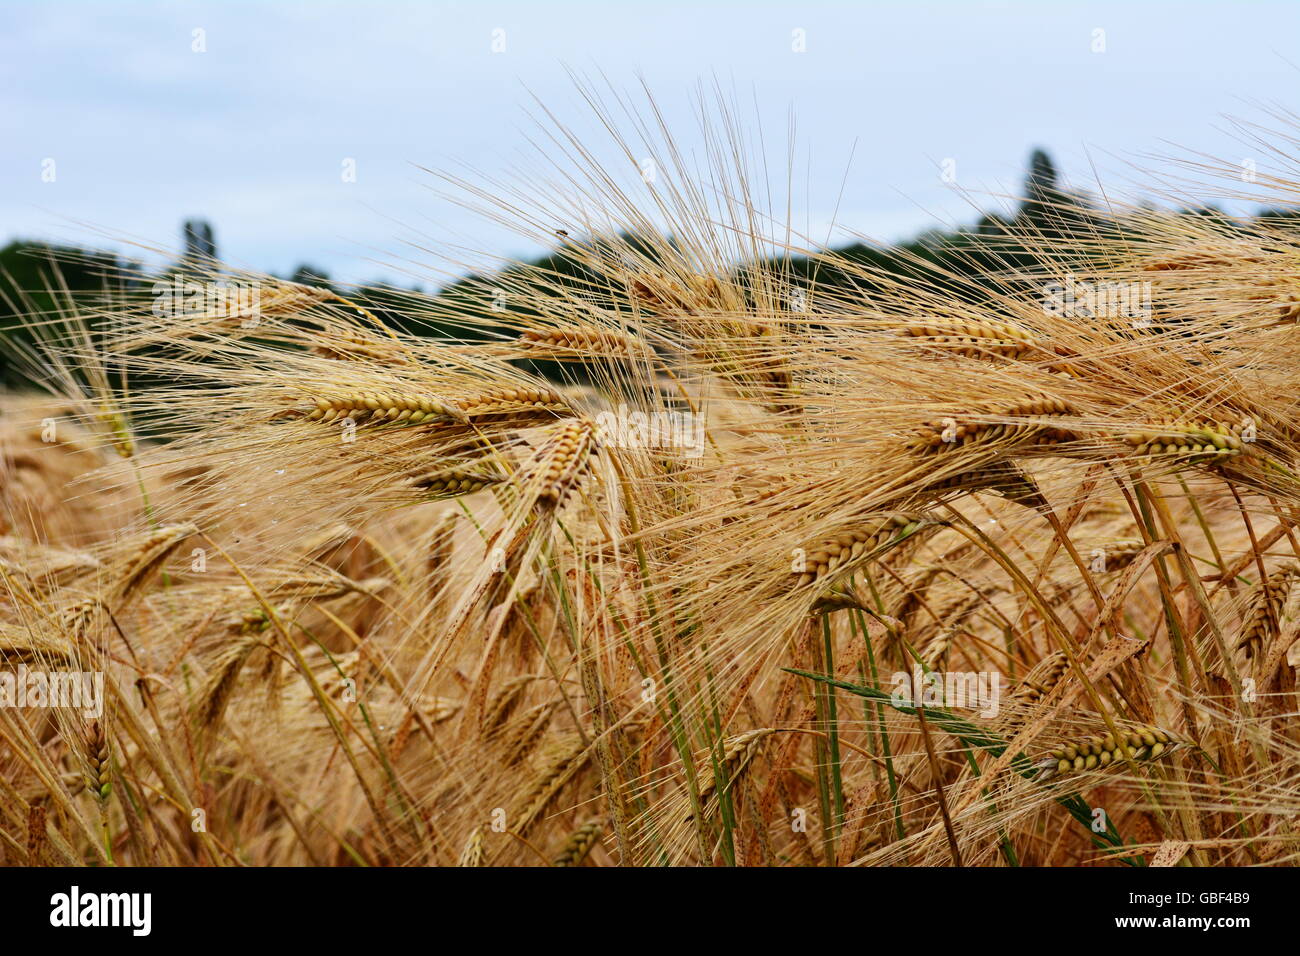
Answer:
(684, 556)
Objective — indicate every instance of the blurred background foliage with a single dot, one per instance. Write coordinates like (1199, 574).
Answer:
(38, 278)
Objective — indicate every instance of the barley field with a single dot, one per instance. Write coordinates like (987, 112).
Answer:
(690, 560)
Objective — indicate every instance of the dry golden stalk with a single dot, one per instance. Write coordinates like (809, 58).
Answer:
(579, 844)
(35, 833)
(381, 407)
(866, 542)
(472, 854)
(520, 400)
(738, 754)
(463, 479)
(1091, 753)
(98, 770)
(948, 434)
(1264, 615)
(1117, 555)
(566, 459)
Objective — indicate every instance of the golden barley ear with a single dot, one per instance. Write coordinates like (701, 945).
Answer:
(1263, 617)
(738, 753)
(565, 460)
(839, 598)
(472, 854)
(521, 736)
(579, 844)
(575, 342)
(455, 480)
(1042, 678)
(565, 758)
(503, 704)
(507, 404)
(876, 536)
(220, 687)
(1004, 479)
(378, 408)
(133, 562)
(1100, 752)
(26, 644)
(1027, 421)
(98, 757)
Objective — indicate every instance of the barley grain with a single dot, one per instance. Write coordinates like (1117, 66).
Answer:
(1097, 753)
(579, 844)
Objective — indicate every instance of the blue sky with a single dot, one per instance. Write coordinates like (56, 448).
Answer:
(252, 132)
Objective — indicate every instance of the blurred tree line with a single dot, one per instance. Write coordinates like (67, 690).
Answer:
(36, 278)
